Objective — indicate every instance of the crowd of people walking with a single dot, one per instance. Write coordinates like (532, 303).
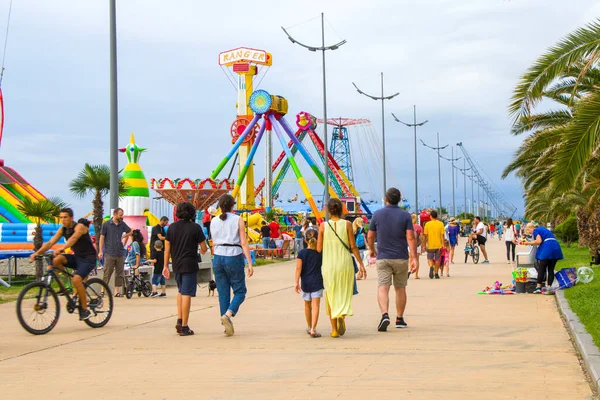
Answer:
(331, 256)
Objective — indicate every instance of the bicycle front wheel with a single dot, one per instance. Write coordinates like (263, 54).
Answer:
(476, 254)
(38, 308)
(100, 305)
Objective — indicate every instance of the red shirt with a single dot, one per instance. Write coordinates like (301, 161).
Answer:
(274, 229)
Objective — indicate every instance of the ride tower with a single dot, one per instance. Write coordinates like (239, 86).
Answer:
(244, 63)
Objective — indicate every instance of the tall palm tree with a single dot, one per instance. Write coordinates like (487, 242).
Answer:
(95, 179)
(573, 62)
(38, 212)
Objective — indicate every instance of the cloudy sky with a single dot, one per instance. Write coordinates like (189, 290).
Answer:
(457, 60)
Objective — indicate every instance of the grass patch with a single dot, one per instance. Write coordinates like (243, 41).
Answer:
(584, 299)
(262, 261)
(10, 294)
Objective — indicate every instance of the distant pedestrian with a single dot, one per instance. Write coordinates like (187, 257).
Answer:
(309, 281)
(510, 239)
(419, 238)
(453, 232)
(157, 258)
(434, 241)
(181, 244)
(113, 237)
(298, 238)
(231, 246)
(359, 235)
(394, 231)
(158, 231)
(336, 242)
(265, 234)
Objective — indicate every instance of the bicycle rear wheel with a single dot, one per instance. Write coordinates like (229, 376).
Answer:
(100, 306)
(38, 308)
(475, 254)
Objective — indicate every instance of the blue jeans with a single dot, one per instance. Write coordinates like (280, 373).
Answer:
(265, 242)
(229, 275)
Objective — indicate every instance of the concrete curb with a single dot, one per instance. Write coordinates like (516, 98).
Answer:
(583, 340)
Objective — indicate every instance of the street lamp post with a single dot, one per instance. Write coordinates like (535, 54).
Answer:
(322, 48)
(382, 98)
(114, 119)
(464, 170)
(437, 149)
(452, 161)
(414, 124)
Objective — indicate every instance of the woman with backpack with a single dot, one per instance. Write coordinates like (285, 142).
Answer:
(358, 228)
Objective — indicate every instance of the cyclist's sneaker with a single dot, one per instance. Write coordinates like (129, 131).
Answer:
(538, 290)
(485, 262)
(384, 323)
(95, 303)
(468, 248)
(400, 323)
(437, 276)
(430, 272)
(186, 331)
(154, 294)
(162, 295)
(84, 314)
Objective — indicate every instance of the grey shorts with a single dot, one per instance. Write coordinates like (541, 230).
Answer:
(434, 254)
(312, 295)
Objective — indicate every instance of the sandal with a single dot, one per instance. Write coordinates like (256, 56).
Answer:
(315, 335)
(118, 295)
(308, 330)
(334, 335)
(341, 325)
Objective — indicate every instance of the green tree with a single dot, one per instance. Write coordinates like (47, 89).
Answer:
(42, 211)
(558, 163)
(95, 179)
(567, 231)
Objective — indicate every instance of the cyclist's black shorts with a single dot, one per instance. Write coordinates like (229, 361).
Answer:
(481, 240)
(82, 266)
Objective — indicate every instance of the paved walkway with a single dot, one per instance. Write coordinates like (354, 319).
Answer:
(460, 345)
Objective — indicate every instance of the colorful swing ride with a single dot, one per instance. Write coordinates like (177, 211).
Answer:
(259, 116)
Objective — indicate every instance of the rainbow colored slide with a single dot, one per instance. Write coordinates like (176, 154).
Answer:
(13, 189)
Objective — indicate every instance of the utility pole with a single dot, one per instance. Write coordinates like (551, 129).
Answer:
(322, 48)
(382, 98)
(414, 124)
(452, 160)
(437, 149)
(114, 109)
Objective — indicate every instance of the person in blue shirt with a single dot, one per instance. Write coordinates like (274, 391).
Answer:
(547, 254)
(299, 239)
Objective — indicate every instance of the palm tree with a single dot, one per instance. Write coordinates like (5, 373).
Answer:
(45, 210)
(570, 70)
(95, 179)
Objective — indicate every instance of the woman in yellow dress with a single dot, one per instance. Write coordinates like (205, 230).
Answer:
(336, 240)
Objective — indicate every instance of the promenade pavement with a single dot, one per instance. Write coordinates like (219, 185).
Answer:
(459, 345)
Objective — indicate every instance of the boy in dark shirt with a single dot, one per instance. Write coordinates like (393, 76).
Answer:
(308, 268)
(157, 256)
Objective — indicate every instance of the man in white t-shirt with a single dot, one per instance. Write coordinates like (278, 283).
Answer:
(480, 235)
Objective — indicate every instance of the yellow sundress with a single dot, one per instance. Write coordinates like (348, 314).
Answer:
(337, 270)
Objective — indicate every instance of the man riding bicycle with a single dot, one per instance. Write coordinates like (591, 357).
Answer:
(479, 235)
(83, 261)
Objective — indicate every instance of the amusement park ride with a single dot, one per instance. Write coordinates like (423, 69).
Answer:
(259, 115)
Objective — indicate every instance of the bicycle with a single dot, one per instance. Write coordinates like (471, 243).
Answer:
(38, 308)
(135, 283)
(473, 252)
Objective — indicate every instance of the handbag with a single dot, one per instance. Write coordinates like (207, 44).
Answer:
(355, 290)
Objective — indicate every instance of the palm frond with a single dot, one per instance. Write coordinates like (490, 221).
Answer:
(581, 138)
(576, 46)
